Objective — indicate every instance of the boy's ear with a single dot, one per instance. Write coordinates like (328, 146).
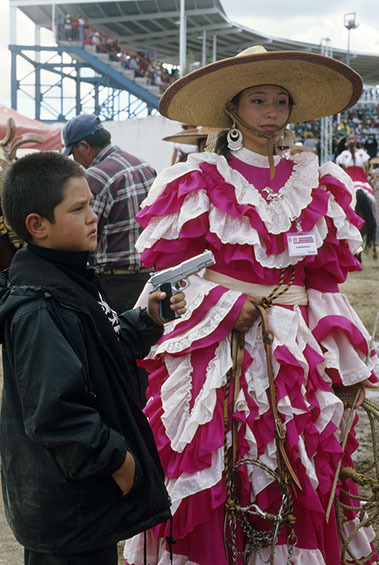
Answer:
(36, 226)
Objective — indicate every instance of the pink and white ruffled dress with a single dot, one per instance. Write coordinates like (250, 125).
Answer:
(236, 211)
(355, 170)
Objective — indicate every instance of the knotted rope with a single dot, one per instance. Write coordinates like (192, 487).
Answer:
(368, 513)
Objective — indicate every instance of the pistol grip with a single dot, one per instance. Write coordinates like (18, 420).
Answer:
(165, 310)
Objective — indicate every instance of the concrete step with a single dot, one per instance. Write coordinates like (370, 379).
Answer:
(128, 73)
(141, 81)
(90, 48)
(154, 89)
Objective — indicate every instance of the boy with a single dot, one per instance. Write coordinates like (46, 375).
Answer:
(80, 469)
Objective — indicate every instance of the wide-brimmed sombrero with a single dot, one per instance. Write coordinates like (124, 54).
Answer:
(320, 86)
(190, 136)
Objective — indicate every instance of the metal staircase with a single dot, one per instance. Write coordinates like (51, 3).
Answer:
(79, 76)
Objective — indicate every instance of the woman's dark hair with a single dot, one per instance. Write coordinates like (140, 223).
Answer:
(351, 144)
(35, 184)
(221, 143)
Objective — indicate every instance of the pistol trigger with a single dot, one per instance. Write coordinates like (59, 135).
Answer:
(181, 285)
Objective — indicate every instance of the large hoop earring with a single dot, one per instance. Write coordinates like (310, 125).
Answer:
(287, 141)
(234, 138)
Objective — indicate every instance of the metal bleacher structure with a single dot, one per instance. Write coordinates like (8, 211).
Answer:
(71, 76)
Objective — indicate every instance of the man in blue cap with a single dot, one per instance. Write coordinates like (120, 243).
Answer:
(119, 182)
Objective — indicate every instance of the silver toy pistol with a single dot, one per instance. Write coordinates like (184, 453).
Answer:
(171, 280)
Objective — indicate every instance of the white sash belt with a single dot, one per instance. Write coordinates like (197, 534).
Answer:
(294, 295)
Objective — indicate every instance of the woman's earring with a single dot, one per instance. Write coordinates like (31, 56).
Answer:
(234, 138)
(287, 140)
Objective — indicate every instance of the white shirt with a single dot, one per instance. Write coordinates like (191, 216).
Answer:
(346, 159)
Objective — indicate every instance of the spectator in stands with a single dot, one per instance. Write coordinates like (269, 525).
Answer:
(60, 28)
(87, 34)
(96, 41)
(81, 29)
(119, 182)
(75, 28)
(124, 60)
(68, 27)
(133, 64)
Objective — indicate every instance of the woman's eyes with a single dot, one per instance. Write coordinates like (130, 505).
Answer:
(282, 102)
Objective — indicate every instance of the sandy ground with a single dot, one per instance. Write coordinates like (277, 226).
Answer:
(362, 290)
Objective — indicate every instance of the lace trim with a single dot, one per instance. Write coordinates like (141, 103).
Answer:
(206, 327)
(169, 226)
(338, 173)
(179, 421)
(165, 177)
(339, 352)
(187, 485)
(295, 195)
(345, 230)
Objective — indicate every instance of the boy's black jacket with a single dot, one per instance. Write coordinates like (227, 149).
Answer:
(69, 416)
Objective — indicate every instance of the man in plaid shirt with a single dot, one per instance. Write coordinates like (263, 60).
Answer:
(119, 182)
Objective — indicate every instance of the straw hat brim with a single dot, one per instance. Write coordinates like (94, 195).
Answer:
(320, 86)
(189, 137)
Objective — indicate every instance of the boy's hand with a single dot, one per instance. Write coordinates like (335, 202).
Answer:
(177, 301)
(124, 476)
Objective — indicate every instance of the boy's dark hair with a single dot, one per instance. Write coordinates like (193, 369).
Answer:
(35, 184)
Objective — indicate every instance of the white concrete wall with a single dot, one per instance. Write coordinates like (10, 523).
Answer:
(143, 138)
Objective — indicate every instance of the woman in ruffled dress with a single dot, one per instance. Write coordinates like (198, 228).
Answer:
(275, 223)
(355, 161)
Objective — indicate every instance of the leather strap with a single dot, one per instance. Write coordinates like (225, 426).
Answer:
(284, 464)
(238, 353)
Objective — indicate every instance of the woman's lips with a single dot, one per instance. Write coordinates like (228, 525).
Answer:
(269, 127)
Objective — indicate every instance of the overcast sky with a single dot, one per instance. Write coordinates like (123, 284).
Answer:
(302, 20)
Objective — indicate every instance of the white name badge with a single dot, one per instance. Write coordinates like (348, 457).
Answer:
(303, 243)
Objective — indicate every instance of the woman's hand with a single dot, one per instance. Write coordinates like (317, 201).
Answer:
(125, 475)
(353, 388)
(247, 316)
(177, 303)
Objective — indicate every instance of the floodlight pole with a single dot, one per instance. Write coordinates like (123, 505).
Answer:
(182, 38)
(350, 22)
(326, 133)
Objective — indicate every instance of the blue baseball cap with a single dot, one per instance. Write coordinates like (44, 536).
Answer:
(79, 128)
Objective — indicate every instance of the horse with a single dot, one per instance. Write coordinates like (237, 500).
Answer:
(9, 242)
(364, 209)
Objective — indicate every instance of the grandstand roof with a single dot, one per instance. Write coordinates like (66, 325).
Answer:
(154, 24)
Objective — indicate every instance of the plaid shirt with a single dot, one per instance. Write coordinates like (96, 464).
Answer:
(119, 182)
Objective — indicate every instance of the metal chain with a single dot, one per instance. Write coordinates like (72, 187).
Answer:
(257, 540)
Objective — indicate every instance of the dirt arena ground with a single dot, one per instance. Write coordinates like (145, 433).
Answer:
(362, 290)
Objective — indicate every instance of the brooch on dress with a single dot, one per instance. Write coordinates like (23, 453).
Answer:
(271, 195)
